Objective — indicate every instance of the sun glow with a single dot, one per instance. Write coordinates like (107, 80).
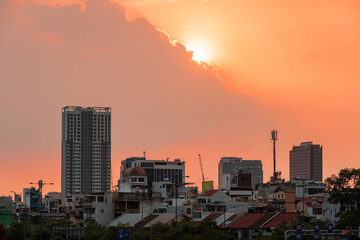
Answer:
(200, 53)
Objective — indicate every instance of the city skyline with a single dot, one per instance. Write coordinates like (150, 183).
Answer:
(288, 66)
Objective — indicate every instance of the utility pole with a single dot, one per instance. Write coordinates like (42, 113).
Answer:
(176, 221)
(41, 184)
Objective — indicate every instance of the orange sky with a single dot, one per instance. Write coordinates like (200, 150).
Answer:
(292, 65)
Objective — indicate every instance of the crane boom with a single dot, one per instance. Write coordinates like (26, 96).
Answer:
(201, 167)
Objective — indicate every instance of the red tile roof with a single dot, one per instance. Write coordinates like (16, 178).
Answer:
(212, 216)
(210, 193)
(310, 199)
(279, 219)
(247, 220)
(262, 220)
(192, 192)
(230, 219)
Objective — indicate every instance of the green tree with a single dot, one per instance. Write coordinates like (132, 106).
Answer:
(16, 231)
(344, 190)
(46, 233)
(94, 231)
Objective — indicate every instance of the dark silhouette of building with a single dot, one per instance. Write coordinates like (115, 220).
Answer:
(306, 161)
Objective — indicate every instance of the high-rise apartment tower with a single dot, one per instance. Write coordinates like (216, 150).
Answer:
(306, 162)
(85, 150)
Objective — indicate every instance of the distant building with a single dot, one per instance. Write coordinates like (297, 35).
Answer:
(285, 198)
(6, 215)
(238, 185)
(232, 164)
(53, 203)
(306, 162)
(156, 170)
(133, 181)
(31, 199)
(85, 150)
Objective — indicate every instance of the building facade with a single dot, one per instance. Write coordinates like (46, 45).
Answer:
(306, 162)
(85, 150)
(233, 164)
(156, 170)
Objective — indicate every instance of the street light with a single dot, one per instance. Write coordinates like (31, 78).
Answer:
(225, 219)
(303, 197)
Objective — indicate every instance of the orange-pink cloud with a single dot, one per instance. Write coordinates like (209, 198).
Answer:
(53, 3)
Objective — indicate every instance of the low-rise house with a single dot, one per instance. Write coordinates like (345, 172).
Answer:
(312, 205)
(98, 207)
(217, 201)
(53, 203)
(329, 211)
(238, 185)
(285, 198)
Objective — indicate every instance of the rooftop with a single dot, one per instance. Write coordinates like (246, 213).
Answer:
(247, 220)
(210, 193)
(212, 216)
(79, 108)
(279, 219)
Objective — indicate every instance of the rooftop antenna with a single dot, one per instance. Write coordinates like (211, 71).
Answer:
(274, 138)
(144, 155)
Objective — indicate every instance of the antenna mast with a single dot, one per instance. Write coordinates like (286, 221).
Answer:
(274, 139)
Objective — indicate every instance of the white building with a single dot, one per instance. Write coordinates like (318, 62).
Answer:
(329, 210)
(156, 170)
(90, 208)
(217, 201)
(134, 180)
(238, 185)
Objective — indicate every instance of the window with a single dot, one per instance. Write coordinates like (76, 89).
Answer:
(197, 214)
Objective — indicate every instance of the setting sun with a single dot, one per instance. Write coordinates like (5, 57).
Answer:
(199, 53)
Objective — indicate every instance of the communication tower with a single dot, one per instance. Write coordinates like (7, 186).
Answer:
(276, 175)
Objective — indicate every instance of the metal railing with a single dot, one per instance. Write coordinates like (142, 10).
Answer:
(337, 234)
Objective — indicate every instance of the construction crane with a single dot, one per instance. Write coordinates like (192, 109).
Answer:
(41, 184)
(201, 167)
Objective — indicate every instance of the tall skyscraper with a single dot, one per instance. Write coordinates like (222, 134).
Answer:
(232, 164)
(306, 162)
(85, 150)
